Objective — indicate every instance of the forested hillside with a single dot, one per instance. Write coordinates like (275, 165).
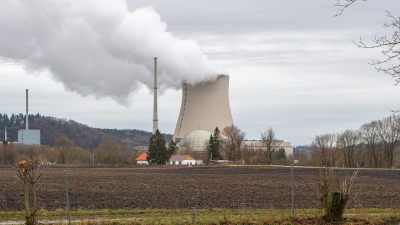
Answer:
(84, 136)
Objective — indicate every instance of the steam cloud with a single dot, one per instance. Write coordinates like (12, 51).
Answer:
(99, 47)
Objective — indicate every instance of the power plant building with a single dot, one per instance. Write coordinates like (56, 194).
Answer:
(195, 140)
(29, 137)
(204, 107)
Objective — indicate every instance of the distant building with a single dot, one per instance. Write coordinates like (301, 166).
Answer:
(195, 140)
(199, 162)
(182, 160)
(139, 149)
(142, 159)
(258, 145)
(29, 137)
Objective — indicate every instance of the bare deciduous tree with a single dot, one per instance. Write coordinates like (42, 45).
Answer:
(233, 142)
(28, 177)
(9, 154)
(389, 135)
(109, 152)
(370, 137)
(347, 143)
(390, 46)
(64, 145)
(270, 143)
(343, 5)
(324, 146)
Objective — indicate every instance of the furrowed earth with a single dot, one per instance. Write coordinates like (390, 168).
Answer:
(200, 187)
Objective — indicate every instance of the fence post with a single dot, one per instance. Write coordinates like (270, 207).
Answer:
(193, 203)
(66, 191)
(292, 195)
(94, 151)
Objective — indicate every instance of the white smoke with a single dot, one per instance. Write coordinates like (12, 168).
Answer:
(99, 47)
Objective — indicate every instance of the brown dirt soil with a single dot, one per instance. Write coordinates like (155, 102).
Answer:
(173, 188)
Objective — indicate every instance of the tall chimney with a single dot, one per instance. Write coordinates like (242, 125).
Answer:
(155, 115)
(5, 133)
(27, 122)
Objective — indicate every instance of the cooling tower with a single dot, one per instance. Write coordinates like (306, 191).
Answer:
(204, 107)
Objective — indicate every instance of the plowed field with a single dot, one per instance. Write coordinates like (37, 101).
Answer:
(173, 188)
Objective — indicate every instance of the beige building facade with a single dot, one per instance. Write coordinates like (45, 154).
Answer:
(258, 145)
(204, 107)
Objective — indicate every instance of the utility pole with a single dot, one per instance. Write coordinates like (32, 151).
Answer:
(94, 150)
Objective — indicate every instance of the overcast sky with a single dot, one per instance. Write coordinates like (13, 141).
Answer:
(292, 64)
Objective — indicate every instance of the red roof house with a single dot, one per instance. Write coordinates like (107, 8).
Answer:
(142, 159)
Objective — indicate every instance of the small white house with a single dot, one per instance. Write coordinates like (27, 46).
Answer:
(142, 159)
(182, 160)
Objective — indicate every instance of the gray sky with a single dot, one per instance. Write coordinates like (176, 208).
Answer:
(292, 65)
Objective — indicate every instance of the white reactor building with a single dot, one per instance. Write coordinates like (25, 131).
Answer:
(204, 107)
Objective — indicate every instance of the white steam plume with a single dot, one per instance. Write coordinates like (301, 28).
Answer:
(98, 47)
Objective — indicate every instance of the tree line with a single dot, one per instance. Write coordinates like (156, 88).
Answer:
(374, 144)
(232, 147)
(68, 142)
(64, 151)
(84, 136)
(226, 145)
(16, 119)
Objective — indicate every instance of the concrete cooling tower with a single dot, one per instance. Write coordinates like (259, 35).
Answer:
(204, 107)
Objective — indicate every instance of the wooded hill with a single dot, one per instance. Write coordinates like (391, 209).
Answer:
(83, 136)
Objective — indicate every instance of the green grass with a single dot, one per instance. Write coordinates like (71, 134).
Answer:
(207, 216)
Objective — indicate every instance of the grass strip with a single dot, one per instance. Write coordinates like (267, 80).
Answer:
(206, 216)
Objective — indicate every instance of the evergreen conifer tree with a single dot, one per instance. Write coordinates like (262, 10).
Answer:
(214, 144)
(172, 148)
(281, 154)
(158, 152)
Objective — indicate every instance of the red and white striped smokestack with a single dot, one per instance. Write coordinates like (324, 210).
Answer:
(27, 122)
(155, 114)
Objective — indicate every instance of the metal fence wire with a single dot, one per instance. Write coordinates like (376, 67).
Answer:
(192, 188)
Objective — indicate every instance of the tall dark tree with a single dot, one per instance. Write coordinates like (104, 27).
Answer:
(12, 120)
(6, 120)
(214, 145)
(281, 154)
(172, 148)
(158, 152)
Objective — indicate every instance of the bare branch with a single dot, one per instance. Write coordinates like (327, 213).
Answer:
(390, 49)
(343, 6)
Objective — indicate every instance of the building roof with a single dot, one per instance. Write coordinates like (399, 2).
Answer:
(142, 157)
(181, 157)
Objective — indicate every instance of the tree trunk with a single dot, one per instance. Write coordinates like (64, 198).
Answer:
(33, 212)
(337, 206)
(26, 195)
(325, 196)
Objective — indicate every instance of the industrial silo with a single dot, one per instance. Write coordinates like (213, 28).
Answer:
(204, 107)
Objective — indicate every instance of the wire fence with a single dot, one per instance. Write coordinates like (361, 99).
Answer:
(193, 189)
